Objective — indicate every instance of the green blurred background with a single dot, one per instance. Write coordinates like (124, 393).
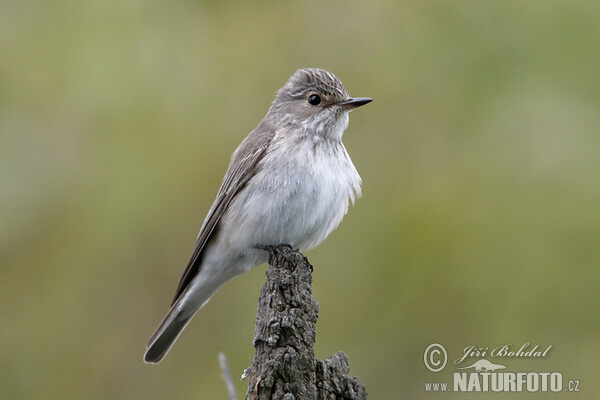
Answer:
(479, 223)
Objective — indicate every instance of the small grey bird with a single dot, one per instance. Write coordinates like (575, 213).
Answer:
(289, 182)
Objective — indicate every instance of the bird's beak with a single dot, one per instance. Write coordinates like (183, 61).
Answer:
(355, 102)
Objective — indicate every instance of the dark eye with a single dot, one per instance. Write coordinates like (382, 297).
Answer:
(314, 99)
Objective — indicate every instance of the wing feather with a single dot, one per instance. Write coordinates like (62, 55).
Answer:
(238, 174)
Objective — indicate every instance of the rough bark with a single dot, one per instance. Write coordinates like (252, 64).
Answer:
(284, 365)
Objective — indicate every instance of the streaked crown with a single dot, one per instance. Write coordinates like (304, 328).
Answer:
(308, 80)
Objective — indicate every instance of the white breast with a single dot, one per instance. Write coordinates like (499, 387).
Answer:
(300, 194)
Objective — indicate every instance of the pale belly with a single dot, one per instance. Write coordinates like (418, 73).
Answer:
(298, 201)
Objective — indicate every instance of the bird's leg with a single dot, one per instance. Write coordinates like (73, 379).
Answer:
(274, 251)
(268, 248)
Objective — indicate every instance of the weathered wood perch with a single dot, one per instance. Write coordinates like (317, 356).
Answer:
(284, 365)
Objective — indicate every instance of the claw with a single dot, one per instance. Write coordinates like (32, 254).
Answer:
(310, 266)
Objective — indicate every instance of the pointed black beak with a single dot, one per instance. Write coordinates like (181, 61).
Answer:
(356, 102)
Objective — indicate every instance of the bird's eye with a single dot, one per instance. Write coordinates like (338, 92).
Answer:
(314, 99)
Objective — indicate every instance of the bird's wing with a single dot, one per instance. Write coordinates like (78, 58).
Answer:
(237, 176)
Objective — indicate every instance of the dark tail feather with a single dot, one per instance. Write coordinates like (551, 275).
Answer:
(165, 335)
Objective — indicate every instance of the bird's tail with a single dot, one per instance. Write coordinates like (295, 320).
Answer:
(199, 292)
(166, 334)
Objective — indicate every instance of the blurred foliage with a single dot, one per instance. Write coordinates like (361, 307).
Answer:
(479, 223)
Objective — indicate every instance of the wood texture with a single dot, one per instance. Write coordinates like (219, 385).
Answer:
(284, 365)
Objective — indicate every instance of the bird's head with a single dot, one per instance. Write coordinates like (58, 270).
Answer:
(315, 101)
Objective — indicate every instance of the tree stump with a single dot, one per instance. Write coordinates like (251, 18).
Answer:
(284, 365)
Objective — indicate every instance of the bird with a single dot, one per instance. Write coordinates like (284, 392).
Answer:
(290, 182)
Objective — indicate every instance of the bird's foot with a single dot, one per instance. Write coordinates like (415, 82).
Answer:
(310, 266)
(276, 250)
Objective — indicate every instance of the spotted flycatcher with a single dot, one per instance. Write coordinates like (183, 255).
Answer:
(289, 182)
